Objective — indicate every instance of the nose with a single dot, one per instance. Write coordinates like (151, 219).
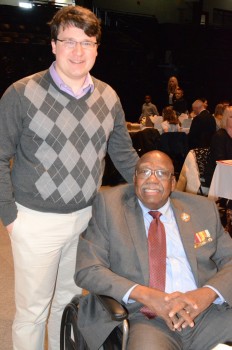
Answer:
(153, 177)
(78, 48)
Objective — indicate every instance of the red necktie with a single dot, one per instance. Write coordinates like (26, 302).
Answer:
(157, 256)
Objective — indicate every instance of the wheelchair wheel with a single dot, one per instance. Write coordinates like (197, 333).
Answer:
(70, 337)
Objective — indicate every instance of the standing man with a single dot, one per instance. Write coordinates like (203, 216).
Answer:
(57, 125)
(148, 110)
(162, 253)
(202, 127)
(180, 103)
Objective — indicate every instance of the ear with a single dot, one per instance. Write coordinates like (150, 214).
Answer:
(134, 179)
(53, 46)
(96, 53)
(173, 185)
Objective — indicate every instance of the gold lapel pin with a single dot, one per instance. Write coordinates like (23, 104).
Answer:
(185, 217)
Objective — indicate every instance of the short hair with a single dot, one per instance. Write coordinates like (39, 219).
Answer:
(198, 103)
(203, 99)
(76, 16)
(180, 89)
(227, 113)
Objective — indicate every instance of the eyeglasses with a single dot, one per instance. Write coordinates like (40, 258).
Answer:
(71, 44)
(160, 174)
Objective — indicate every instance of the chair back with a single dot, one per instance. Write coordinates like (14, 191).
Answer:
(182, 117)
(175, 144)
(157, 123)
(191, 178)
(145, 140)
(201, 158)
(201, 155)
(186, 123)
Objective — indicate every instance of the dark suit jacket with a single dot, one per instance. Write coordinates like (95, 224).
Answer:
(201, 130)
(113, 253)
(220, 149)
(180, 105)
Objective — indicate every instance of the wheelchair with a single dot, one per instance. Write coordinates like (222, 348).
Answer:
(71, 338)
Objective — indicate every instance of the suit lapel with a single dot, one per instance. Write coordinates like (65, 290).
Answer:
(187, 233)
(135, 222)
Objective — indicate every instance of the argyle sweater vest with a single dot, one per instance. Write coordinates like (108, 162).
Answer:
(62, 142)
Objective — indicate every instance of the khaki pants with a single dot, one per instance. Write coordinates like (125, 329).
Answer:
(44, 252)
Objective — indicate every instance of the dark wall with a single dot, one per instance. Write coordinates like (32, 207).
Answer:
(136, 56)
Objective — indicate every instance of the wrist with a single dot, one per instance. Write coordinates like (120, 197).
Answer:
(210, 293)
(139, 293)
(144, 295)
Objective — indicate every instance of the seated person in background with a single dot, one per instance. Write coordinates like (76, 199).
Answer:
(192, 291)
(219, 109)
(202, 127)
(170, 121)
(148, 109)
(221, 145)
(179, 103)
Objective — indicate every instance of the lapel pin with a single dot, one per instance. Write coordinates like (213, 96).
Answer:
(185, 217)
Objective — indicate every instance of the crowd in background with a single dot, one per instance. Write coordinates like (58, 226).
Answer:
(210, 129)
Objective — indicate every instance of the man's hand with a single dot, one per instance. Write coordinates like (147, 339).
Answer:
(158, 303)
(196, 301)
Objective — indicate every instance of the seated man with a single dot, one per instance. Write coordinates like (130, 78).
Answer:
(188, 304)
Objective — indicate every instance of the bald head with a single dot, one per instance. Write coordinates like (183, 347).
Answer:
(154, 156)
(198, 106)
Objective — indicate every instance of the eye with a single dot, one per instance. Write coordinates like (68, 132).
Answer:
(160, 173)
(163, 174)
(70, 43)
(86, 43)
(144, 172)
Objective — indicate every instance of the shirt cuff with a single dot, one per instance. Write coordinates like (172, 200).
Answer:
(220, 300)
(126, 298)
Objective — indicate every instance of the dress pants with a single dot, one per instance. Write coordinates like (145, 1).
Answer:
(44, 252)
(212, 327)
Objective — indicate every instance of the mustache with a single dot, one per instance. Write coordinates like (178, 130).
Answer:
(152, 187)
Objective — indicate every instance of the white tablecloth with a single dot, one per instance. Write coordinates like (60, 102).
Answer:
(221, 184)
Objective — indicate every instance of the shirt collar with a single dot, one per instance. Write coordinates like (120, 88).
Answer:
(88, 84)
(165, 210)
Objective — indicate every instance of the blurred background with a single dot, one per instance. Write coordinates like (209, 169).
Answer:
(144, 42)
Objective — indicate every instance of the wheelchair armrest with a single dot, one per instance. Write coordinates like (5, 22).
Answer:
(117, 311)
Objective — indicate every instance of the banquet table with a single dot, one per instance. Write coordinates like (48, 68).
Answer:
(221, 184)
